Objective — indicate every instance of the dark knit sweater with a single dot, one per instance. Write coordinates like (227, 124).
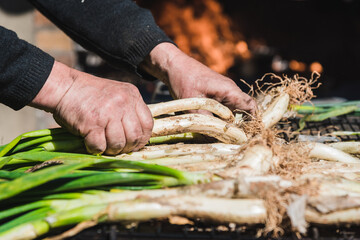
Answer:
(117, 30)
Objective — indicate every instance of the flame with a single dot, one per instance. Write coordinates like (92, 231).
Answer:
(297, 66)
(202, 30)
(242, 49)
(316, 67)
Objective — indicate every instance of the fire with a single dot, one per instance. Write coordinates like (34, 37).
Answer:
(316, 67)
(243, 50)
(297, 66)
(202, 30)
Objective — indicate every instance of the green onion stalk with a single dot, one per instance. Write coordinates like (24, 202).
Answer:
(323, 108)
(143, 173)
(60, 138)
(55, 186)
(333, 112)
(239, 211)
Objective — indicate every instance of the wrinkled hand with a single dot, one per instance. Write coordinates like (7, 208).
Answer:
(188, 78)
(111, 116)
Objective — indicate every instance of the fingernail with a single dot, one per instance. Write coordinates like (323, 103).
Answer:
(96, 152)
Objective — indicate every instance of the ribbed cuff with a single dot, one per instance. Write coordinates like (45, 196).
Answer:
(147, 40)
(35, 74)
(142, 48)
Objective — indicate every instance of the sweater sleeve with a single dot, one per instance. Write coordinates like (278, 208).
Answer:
(117, 30)
(23, 70)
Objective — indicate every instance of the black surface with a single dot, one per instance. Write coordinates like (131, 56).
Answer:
(163, 230)
(344, 123)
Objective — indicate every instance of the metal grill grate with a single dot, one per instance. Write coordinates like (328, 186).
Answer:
(165, 230)
(344, 123)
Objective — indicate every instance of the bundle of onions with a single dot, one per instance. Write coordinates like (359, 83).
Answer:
(250, 177)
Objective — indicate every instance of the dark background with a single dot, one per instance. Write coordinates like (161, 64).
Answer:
(308, 31)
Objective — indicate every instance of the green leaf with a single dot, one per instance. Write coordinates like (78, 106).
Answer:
(332, 113)
(10, 146)
(10, 175)
(23, 208)
(35, 215)
(115, 178)
(40, 177)
(4, 161)
(44, 132)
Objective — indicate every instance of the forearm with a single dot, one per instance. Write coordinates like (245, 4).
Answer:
(117, 30)
(23, 70)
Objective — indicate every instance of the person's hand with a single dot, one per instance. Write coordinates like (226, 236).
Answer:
(188, 78)
(111, 116)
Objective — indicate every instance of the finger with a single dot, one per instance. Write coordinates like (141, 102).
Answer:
(241, 101)
(253, 107)
(147, 123)
(248, 104)
(115, 137)
(95, 141)
(133, 131)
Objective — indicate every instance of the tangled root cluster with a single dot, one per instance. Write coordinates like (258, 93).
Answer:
(299, 88)
(290, 159)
